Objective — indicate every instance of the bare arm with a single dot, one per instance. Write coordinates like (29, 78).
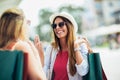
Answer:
(35, 70)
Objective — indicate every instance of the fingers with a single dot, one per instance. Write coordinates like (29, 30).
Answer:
(82, 37)
(37, 39)
(78, 42)
(37, 42)
(88, 45)
(85, 40)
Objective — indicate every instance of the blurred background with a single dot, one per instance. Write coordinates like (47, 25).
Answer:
(98, 21)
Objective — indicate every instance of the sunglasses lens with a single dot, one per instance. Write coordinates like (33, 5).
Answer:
(61, 24)
(54, 26)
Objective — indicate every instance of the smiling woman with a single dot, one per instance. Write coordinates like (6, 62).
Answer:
(65, 50)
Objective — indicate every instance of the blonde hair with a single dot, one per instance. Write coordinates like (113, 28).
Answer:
(70, 44)
(11, 26)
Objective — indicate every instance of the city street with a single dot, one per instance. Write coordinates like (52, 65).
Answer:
(111, 62)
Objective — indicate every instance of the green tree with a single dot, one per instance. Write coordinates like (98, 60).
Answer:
(43, 29)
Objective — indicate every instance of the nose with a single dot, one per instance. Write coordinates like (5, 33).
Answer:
(57, 26)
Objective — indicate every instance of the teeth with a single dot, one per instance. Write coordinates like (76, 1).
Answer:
(59, 32)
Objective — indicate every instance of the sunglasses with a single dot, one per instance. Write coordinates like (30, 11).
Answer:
(61, 24)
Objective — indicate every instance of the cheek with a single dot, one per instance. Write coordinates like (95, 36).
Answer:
(66, 30)
(54, 31)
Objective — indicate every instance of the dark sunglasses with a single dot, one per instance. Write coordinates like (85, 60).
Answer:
(61, 24)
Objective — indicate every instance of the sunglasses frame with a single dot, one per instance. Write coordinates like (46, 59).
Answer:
(60, 24)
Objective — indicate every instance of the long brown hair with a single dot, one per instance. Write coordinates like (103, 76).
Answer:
(11, 23)
(70, 43)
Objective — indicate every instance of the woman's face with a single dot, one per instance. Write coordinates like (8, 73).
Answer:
(60, 28)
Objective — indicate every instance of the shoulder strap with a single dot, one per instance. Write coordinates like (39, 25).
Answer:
(50, 56)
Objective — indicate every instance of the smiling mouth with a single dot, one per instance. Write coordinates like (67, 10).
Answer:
(59, 32)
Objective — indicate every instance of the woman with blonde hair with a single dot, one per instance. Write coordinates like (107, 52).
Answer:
(14, 36)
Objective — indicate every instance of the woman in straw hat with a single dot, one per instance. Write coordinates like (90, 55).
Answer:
(66, 57)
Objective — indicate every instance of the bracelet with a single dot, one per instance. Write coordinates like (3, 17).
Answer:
(77, 49)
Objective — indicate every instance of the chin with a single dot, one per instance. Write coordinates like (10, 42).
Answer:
(61, 37)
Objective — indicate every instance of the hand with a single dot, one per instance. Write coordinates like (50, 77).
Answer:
(38, 45)
(88, 45)
(78, 42)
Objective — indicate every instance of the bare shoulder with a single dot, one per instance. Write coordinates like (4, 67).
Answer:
(22, 45)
